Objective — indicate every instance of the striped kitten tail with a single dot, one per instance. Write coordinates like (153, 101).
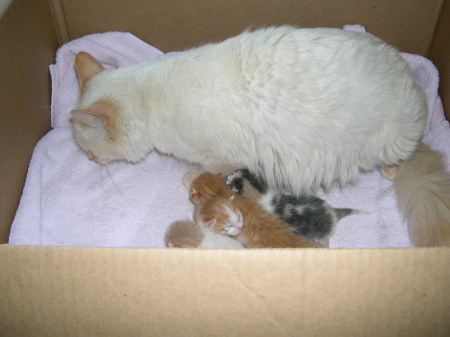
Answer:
(343, 212)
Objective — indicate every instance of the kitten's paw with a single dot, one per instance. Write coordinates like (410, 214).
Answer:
(389, 172)
(235, 181)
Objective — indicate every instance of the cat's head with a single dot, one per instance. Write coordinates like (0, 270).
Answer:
(220, 215)
(98, 122)
(207, 186)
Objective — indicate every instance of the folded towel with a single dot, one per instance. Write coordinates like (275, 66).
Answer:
(68, 200)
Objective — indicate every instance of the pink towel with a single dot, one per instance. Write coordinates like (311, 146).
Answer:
(68, 200)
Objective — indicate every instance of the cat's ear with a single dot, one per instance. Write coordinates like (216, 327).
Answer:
(98, 115)
(87, 67)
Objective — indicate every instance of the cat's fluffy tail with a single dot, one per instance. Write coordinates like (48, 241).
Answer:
(422, 185)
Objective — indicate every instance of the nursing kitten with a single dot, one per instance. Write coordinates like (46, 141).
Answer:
(302, 107)
(304, 215)
(244, 220)
(188, 234)
(218, 208)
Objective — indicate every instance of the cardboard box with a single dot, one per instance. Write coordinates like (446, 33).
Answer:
(66, 291)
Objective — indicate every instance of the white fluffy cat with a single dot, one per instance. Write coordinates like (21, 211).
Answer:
(303, 107)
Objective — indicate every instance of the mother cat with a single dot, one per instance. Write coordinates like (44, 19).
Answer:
(303, 107)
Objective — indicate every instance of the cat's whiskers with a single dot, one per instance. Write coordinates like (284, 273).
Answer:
(105, 178)
(113, 183)
(127, 204)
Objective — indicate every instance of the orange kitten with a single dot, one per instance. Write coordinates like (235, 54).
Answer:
(206, 186)
(242, 218)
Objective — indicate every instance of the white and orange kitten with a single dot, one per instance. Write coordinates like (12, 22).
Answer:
(220, 209)
(188, 234)
(302, 107)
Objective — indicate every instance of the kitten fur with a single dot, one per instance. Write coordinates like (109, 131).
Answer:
(304, 215)
(188, 234)
(218, 208)
(243, 219)
(302, 107)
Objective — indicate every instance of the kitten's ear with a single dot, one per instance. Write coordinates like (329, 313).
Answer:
(195, 196)
(100, 114)
(211, 222)
(87, 67)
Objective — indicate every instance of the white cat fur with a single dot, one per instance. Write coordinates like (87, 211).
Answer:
(303, 107)
(212, 239)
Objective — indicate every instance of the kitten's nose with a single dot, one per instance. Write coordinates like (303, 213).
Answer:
(238, 226)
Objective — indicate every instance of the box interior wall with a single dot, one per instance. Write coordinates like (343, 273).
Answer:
(69, 291)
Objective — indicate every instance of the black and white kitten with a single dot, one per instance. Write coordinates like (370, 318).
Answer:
(304, 215)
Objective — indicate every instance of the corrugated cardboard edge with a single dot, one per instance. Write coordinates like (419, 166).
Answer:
(64, 291)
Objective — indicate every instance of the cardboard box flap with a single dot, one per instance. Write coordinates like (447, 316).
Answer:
(266, 292)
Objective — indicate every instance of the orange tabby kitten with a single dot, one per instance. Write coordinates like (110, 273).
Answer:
(240, 217)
